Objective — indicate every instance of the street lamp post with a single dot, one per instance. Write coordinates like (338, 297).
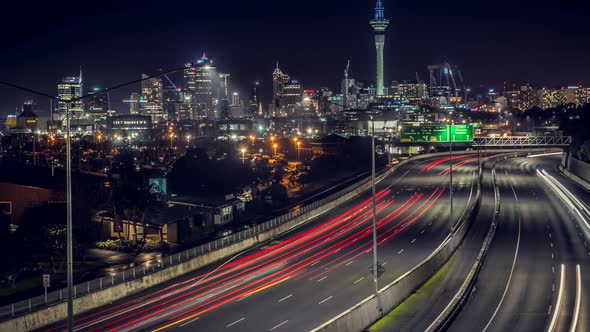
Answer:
(298, 152)
(275, 146)
(171, 138)
(375, 271)
(451, 181)
(243, 155)
(69, 233)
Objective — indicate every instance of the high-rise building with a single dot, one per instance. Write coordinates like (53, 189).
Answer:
(292, 93)
(97, 106)
(379, 24)
(412, 92)
(134, 101)
(152, 95)
(198, 83)
(279, 79)
(254, 102)
(172, 96)
(70, 88)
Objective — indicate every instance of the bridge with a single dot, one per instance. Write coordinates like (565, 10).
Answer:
(528, 141)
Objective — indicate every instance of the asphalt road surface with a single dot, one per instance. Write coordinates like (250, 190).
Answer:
(306, 277)
(530, 279)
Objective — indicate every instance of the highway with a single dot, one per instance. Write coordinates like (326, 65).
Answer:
(535, 276)
(306, 277)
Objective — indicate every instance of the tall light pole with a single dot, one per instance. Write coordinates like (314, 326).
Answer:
(298, 152)
(275, 146)
(243, 155)
(69, 233)
(451, 179)
(375, 271)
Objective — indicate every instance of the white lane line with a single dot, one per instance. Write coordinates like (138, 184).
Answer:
(347, 264)
(559, 301)
(578, 298)
(513, 265)
(322, 279)
(551, 244)
(356, 282)
(190, 321)
(315, 263)
(324, 300)
(553, 269)
(384, 263)
(552, 256)
(283, 323)
(422, 231)
(286, 297)
(414, 240)
(399, 252)
(234, 323)
(549, 312)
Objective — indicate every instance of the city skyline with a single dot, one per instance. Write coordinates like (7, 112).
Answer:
(331, 36)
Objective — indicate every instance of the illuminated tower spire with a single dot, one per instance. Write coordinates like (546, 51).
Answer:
(379, 24)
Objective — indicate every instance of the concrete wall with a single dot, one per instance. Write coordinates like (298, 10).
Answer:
(576, 167)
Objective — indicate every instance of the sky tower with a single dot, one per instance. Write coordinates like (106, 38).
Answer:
(379, 24)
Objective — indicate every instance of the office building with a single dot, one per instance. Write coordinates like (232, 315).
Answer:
(152, 98)
(71, 87)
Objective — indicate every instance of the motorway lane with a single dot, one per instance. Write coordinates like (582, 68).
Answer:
(518, 286)
(306, 277)
(419, 311)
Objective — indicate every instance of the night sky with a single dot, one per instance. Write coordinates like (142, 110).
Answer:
(544, 42)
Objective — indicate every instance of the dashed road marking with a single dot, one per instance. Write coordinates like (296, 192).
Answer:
(283, 323)
(324, 300)
(284, 298)
(356, 282)
(234, 323)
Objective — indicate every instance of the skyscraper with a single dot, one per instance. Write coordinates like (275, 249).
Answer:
(97, 106)
(70, 88)
(279, 79)
(379, 24)
(152, 93)
(198, 84)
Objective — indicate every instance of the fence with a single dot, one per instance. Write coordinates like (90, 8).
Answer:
(59, 296)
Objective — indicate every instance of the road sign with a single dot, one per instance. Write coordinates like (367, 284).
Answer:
(436, 133)
(46, 281)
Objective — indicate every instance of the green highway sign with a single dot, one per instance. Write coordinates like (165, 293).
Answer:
(436, 133)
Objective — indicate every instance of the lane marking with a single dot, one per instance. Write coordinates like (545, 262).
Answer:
(347, 264)
(324, 300)
(315, 263)
(322, 279)
(578, 299)
(283, 323)
(190, 321)
(286, 297)
(422, 231)
(356, 282)
(399, 252)
(513, 263)
(559, 301)
(234, 323)
(384, 263)
(414, 240)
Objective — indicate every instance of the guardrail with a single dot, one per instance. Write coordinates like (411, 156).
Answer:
(59, 296)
